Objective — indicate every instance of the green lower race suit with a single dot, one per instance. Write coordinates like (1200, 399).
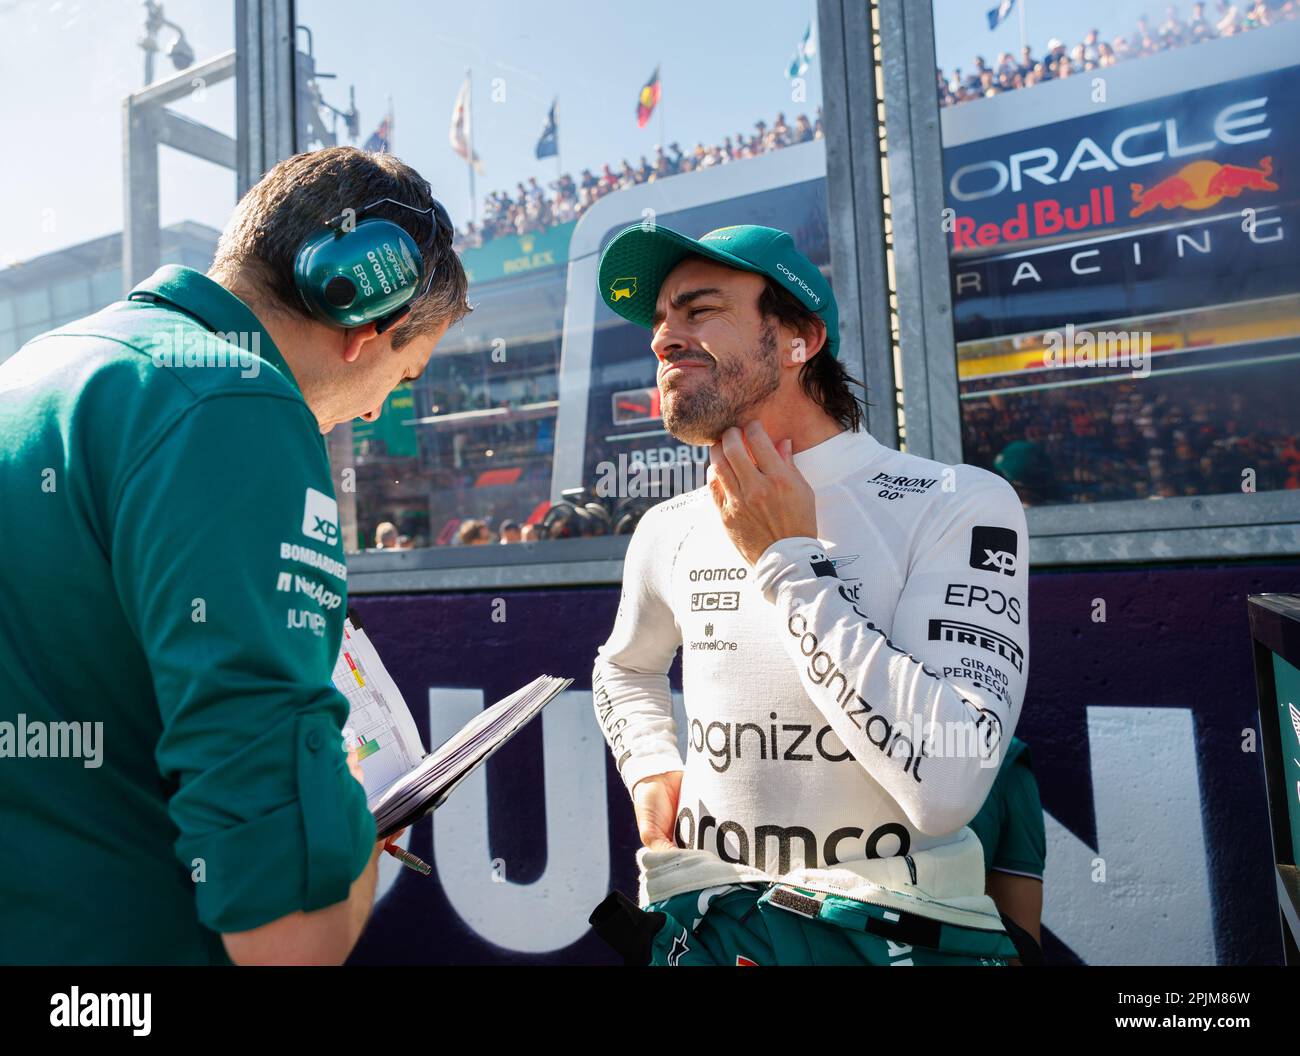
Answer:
(777, 924)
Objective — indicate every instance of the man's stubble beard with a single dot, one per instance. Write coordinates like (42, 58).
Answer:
(727, 397)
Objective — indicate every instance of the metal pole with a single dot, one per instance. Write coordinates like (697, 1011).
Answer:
(559, 169)
(855, 207)
(469, 135)
(662, 142)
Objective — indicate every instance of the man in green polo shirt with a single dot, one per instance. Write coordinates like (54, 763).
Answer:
(172, 783)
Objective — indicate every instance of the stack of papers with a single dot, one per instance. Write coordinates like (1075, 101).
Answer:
(402, 782)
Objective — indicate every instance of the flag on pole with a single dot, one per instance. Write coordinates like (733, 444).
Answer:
(548, 143)
(460, 128)
(381, 139)
(998, 15)
(647, 100)
(803, 54)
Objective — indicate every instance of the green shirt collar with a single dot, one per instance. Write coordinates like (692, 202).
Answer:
(211, 304)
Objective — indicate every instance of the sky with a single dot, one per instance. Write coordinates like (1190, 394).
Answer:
(66, 65)
(961, 29)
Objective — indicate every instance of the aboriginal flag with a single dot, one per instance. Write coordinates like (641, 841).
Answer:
(647, 100)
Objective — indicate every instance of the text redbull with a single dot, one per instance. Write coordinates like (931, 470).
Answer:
(1046, 217)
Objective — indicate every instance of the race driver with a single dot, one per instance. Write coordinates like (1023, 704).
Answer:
(853, 627)
(174, 576)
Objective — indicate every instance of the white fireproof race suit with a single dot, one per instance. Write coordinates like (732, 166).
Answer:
(846, 697)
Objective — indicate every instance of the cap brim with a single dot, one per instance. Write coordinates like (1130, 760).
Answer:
(638, 259)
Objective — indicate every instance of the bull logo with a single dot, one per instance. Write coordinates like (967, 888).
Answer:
(1201, 185)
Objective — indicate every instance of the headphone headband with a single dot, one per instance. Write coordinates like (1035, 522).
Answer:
(366, 272)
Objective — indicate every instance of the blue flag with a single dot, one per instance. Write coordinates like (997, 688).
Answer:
(548, 143)
(381, 139)
(998, 15)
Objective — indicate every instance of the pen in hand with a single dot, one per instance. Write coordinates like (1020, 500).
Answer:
(408, 859)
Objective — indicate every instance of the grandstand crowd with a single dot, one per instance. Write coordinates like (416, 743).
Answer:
(533, 208)
(1070, 446)
(1093, 53)
(1173, 439)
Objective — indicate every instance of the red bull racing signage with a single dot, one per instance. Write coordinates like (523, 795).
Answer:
(1185, 199)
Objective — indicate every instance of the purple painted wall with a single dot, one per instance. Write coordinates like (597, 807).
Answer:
(1186, 846)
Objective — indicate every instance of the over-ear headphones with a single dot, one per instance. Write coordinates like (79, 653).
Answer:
(359, 271)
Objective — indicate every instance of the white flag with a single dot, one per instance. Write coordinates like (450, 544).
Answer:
(460, 127)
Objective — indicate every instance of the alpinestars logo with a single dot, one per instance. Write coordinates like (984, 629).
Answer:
(993, 549)
(679, 950)
(320, 517)
(980, 637)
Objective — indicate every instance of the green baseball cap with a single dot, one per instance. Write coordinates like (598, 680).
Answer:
(639, 258)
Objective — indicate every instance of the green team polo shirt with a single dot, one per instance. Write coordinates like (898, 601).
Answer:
(1010, 823)
(173, 571)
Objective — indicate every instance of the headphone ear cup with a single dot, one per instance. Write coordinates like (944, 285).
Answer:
(349, 278)
(315, 298)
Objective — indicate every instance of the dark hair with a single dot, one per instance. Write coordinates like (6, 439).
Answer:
(823, 378)
(301, 194)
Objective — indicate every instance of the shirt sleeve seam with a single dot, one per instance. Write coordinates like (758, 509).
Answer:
(1008, 868)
